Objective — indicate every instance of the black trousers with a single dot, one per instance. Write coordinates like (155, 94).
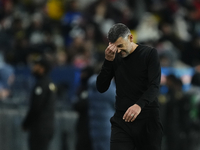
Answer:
(39, 141)
(141, 134)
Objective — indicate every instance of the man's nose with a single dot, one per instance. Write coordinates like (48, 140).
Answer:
(118, 50)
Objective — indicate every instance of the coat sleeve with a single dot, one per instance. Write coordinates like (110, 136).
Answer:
(154, 75)
(105, 76)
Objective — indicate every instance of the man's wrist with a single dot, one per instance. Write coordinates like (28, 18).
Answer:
(107, 63)
(140, 103)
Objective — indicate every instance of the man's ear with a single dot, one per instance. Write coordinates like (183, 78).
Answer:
(130, 38)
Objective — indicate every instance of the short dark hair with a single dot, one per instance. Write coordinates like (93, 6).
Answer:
(118, 30)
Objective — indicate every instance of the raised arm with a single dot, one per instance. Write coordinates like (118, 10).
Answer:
(107, 72)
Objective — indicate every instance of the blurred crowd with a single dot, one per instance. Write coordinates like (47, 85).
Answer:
(74, 32)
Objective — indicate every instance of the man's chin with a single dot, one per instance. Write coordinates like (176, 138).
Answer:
(123, 56)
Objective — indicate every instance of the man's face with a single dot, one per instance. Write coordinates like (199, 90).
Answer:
(37, 70)
(124, 47)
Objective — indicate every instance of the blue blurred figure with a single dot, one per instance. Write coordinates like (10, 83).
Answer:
(101, 109)
(6, 78)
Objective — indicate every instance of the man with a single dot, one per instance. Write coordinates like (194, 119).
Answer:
(136, 70)
(39, 120)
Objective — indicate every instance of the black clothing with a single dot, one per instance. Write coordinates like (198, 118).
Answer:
(83, 137)
(39, 141)
(137, 79)
(39, 120)
(145, 134)
(172, 122)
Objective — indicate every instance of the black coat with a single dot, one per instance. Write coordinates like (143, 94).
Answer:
(40, 116)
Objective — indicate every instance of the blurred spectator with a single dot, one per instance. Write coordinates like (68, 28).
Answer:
(5, 37)
(127, 10)
(71, 21)
(55, 9)
(6, 78)
(35, 31)
(102, 15)
(191, 54)
(99, 124)
(61, 58)
(82, 58)
(39, 121)
(20, 52)
(182, 118)
(172, 116)
(196, 77)
(81, 106)
(57, 37)
(147, 29)
(190, 116)
(169, 35)
(169, 53)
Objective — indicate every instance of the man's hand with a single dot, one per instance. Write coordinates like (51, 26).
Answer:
(131, 113)
(110, 52)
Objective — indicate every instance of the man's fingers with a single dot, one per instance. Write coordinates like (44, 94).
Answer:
(110, 46)
(125, 116)
(132, 113)
(129, 116)
(110, 52)
(133, 118)
(111, 49)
